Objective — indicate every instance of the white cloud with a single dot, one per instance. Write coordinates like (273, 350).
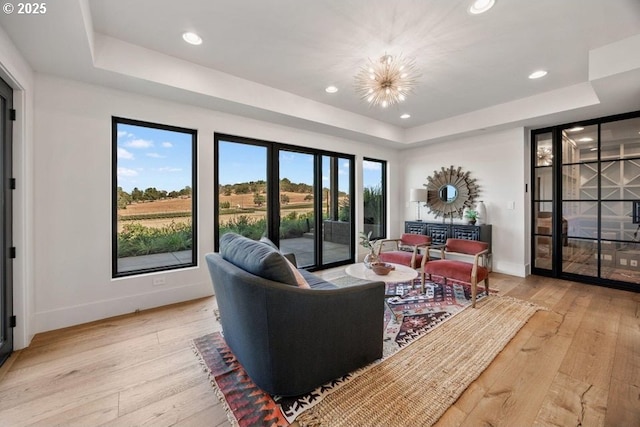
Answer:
(124, 133)
(140, 143)
(125, 172)
(346, 165)
(169, 169)
(372, 166)
(167, 144)
(156, 155)
(124, 154)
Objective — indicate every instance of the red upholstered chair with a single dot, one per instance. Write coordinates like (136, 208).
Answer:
(462, 271)
(405, 250)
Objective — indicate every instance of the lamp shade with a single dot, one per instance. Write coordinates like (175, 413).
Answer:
(418, 195)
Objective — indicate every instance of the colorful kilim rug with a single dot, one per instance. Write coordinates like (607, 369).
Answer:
(408, 315)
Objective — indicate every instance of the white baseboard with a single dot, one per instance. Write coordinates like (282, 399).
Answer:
(519, 270)
(97, 310)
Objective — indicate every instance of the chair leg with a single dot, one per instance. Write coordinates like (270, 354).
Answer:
(486, 286)
(474, 291)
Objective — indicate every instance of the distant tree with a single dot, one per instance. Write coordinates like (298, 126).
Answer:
(242, 188)
(258, 199)
(308, 197)
(344, 210)
(285, 185)
(136, 194)
(123, 198)
(151, 194)
(284, 199)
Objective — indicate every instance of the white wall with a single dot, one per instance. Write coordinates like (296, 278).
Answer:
(497, 162)
(73, 281)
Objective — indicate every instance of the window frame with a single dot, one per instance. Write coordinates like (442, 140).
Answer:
(383, 208)
(273, 204)
(115, 121)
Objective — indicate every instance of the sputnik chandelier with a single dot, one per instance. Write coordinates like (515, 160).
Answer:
(387, 81)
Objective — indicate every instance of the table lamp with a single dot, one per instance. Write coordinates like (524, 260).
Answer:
(418, 195)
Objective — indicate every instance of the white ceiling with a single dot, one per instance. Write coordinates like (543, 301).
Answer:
(272, 60)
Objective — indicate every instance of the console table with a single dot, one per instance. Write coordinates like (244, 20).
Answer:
(440, 232)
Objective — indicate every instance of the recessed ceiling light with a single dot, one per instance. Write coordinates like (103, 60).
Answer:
(331, 89)
(192, 38)
(405, 116)
(481, 6)
(585, 139)
(576, 129)
(537, 74)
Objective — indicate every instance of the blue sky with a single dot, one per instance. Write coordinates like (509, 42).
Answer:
(159, 158)
(150, 157)
(244, 162)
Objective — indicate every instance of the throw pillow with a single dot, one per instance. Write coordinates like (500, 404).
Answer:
(302, 282)
(267, 241)
(256, 258)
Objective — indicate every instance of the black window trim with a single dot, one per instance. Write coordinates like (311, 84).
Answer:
(383, 213)
(115, 120)
(273, 170)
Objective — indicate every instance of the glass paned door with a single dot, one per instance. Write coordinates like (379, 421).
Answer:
(543, 248)
(296, 193)
(243, 194)
(337, 218)
(586, 201)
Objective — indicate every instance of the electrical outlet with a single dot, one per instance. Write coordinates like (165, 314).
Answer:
(159, 281)
(634, 263)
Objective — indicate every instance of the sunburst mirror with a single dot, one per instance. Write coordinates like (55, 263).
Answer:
(450, 191)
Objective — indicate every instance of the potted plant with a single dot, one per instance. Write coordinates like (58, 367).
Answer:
(471, 215)
(372, 256)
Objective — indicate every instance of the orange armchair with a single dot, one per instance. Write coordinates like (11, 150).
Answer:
(405, 250)
(470, 273)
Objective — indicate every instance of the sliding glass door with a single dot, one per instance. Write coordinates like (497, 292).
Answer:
(298, 197)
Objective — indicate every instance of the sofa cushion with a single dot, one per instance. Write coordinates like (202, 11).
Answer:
(256, 258)
(316, 282)
(400, 257)
(456, 270)
(470, 247)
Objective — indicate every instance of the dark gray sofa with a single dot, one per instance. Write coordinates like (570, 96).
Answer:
(291, 340)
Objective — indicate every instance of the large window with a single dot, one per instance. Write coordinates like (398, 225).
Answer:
(154, 197)
(297, 196)
(374, 195)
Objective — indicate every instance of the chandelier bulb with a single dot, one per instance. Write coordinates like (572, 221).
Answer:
(387, 81)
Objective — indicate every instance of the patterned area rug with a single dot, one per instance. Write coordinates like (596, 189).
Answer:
(409, 315)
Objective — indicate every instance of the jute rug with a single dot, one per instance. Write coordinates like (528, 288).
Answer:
(418, 384)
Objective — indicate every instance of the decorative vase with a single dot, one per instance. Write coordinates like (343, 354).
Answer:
(472, 222)
(370, 258)
(482, 213)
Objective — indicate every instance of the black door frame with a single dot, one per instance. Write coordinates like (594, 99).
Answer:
(6, 197)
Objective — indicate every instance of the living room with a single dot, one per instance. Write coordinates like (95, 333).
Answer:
(63, 148)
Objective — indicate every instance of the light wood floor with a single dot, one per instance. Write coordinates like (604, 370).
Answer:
(577, 364)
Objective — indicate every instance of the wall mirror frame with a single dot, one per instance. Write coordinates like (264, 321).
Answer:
(450, 191)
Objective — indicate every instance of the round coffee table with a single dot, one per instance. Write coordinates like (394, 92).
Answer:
(402, 273)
